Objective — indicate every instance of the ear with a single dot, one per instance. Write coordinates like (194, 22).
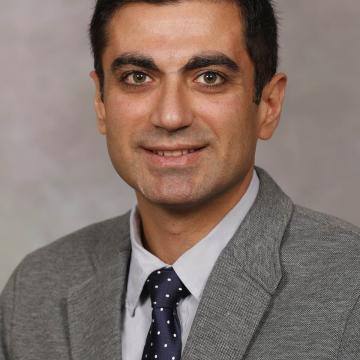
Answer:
(99, 104)
(271, 105)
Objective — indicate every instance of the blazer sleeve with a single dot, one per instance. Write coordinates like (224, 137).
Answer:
(7, 301)
(350, 344)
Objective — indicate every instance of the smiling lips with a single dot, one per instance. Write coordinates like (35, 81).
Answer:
(177, 152)
(173, 153)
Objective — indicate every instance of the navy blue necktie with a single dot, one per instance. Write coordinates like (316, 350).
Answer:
(163, 341)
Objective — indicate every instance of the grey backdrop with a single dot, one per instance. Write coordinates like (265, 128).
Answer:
(55, 172)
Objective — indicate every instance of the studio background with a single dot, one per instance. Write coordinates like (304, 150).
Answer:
(55, 173)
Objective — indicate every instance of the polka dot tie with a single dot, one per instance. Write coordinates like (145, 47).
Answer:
(163, 341)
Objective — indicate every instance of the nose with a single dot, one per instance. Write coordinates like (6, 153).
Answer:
(172, 109)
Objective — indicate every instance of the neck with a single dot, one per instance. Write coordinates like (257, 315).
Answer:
(167, 234)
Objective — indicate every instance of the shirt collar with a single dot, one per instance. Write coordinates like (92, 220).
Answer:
(208, 249)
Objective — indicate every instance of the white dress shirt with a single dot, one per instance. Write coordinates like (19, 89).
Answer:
(193, 268)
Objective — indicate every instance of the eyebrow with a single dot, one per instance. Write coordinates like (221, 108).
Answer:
(195, 62)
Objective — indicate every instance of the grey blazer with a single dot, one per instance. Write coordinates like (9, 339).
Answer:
(285, 287)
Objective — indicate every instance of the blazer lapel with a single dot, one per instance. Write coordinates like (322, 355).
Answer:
(95, 306)
(238, 292)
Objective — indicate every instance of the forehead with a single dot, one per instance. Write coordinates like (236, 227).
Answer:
(176, 30)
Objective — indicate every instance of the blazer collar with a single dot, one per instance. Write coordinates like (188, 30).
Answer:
(239, 290)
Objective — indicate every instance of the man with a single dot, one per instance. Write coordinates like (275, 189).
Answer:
(215, 261)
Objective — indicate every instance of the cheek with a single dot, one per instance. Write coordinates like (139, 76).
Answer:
(122, 111)
(231, 119)
(124, 118)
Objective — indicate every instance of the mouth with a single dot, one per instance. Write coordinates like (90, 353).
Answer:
(174, 152)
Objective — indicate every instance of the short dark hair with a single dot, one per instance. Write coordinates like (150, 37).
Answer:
(261, 35)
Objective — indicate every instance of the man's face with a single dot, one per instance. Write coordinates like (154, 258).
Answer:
(178, 110)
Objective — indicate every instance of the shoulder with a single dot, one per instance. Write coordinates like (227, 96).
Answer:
(315, 241)
(307, 222)
(42, 281)
(69, 260)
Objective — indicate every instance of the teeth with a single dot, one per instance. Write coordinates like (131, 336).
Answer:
(173, 153)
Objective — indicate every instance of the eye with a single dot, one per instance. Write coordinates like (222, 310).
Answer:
(135, 78)
(211, 78)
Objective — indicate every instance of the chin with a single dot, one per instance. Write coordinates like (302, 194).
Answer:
(177, 199)
(170, 198)
(177, 191)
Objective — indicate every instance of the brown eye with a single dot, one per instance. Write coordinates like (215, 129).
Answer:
(211, 78)
(136, 78)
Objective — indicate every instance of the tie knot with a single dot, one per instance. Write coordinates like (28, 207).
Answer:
(165, 288)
